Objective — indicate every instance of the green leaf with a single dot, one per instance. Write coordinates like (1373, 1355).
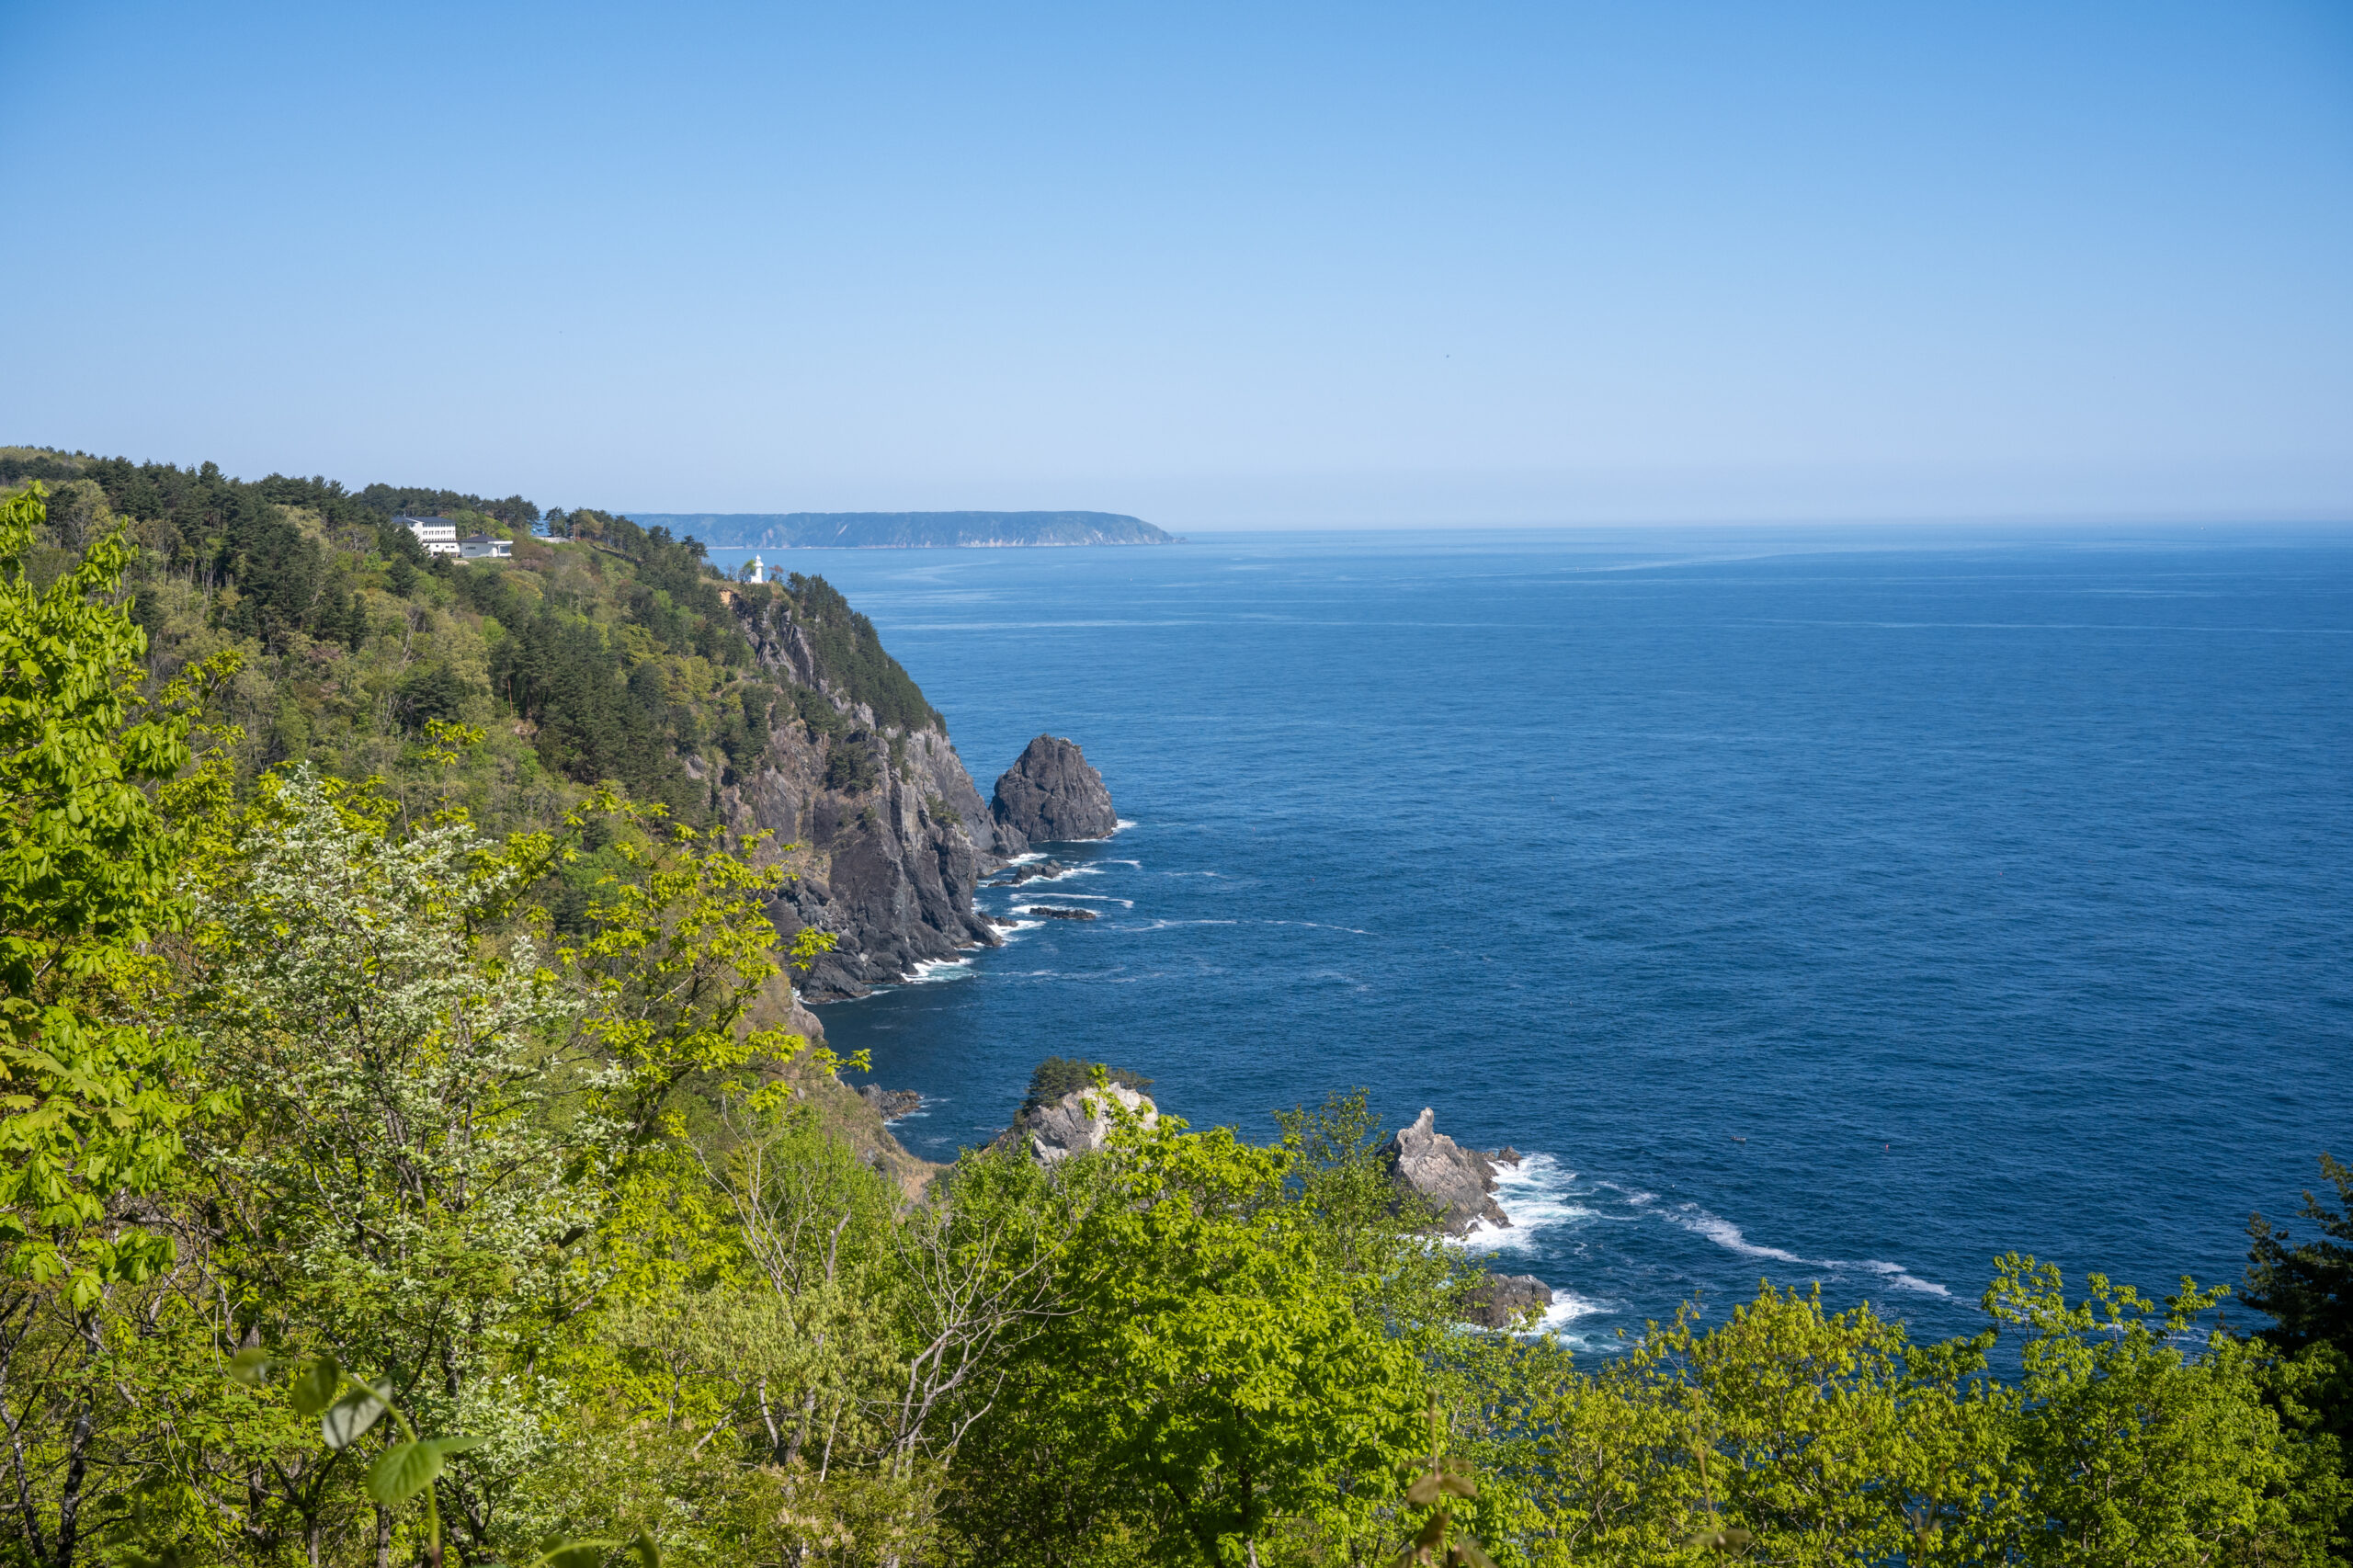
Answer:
(402, 1471)
(576, 1555)
(1469, 1551)
(648, 1554)
(349, 1419)
(1424, 1491)
(316, 1386)
(1460, 1485)
(251, 1367)
(1721, 1537)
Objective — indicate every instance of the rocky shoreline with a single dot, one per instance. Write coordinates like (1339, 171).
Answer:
(889, 838)
(1455, 1186)
(1458, 1186)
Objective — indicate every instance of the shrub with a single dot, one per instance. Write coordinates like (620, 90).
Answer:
(1057, 1075)
(851, 769)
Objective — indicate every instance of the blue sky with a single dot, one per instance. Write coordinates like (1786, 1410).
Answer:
(1250, 266)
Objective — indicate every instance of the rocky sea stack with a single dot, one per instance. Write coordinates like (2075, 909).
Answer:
(1080, 1121)
(1458, 1182)
(1050, 796)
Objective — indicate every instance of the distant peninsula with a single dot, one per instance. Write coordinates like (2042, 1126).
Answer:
(903, 530)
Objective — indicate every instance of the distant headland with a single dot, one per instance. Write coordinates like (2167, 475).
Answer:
(904, 530)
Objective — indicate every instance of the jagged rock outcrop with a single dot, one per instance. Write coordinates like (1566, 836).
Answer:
(1049, 796)
(890, 1104)
(1503, 1297)
(1079, 1122)
(1458, 1182)
(892, 835)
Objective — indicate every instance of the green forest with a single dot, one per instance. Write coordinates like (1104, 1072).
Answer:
(406, 1160)
(607, 658)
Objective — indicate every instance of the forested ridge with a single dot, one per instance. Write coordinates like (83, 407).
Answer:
(611, 658)
(406, 1158)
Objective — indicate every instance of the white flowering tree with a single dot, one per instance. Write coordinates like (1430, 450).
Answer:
(435, 1113)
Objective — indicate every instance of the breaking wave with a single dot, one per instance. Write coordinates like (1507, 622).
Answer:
(932, 971)
(1535, 1196)
(1726, 1234)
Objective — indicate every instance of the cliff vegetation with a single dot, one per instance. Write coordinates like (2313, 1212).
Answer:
(363, 1200)
(616, 655)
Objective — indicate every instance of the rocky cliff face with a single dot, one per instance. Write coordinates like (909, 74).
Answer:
(894, 837)
(1050, 796)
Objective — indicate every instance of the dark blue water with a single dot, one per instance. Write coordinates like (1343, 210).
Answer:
(1995, 888)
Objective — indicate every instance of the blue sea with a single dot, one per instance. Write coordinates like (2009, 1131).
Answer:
(1850, 905)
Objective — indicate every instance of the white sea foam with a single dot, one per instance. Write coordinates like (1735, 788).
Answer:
(1895, 1274)
(931, 971)
(1566, 1308)
(1535, 1197)
(1120, 824)
(1726, 1234)
(1019, 928)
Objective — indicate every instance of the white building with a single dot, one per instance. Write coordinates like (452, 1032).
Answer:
(438, 535)
(760, 569)
(481, 547)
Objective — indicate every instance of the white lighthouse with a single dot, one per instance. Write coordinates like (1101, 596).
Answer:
(760, 569)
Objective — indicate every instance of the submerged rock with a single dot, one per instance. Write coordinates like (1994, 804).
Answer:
(1080, 1121)
(1029, 872)
(1505, 1296)
(1456, 1180)
(1051, 795)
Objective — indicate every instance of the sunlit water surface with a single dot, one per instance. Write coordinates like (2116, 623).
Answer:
(1849, 905)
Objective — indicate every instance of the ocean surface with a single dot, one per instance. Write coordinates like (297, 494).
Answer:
(1846, 906)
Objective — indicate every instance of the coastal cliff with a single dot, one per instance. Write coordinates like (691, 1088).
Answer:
(858, 773)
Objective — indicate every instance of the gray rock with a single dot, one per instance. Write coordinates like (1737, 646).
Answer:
(1456, 1180)
(1505, 1296)
(1080, 1121)
(1055, 912)
(1029, 872)
(890, 1104)
(888, 855)
(1050, 796)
